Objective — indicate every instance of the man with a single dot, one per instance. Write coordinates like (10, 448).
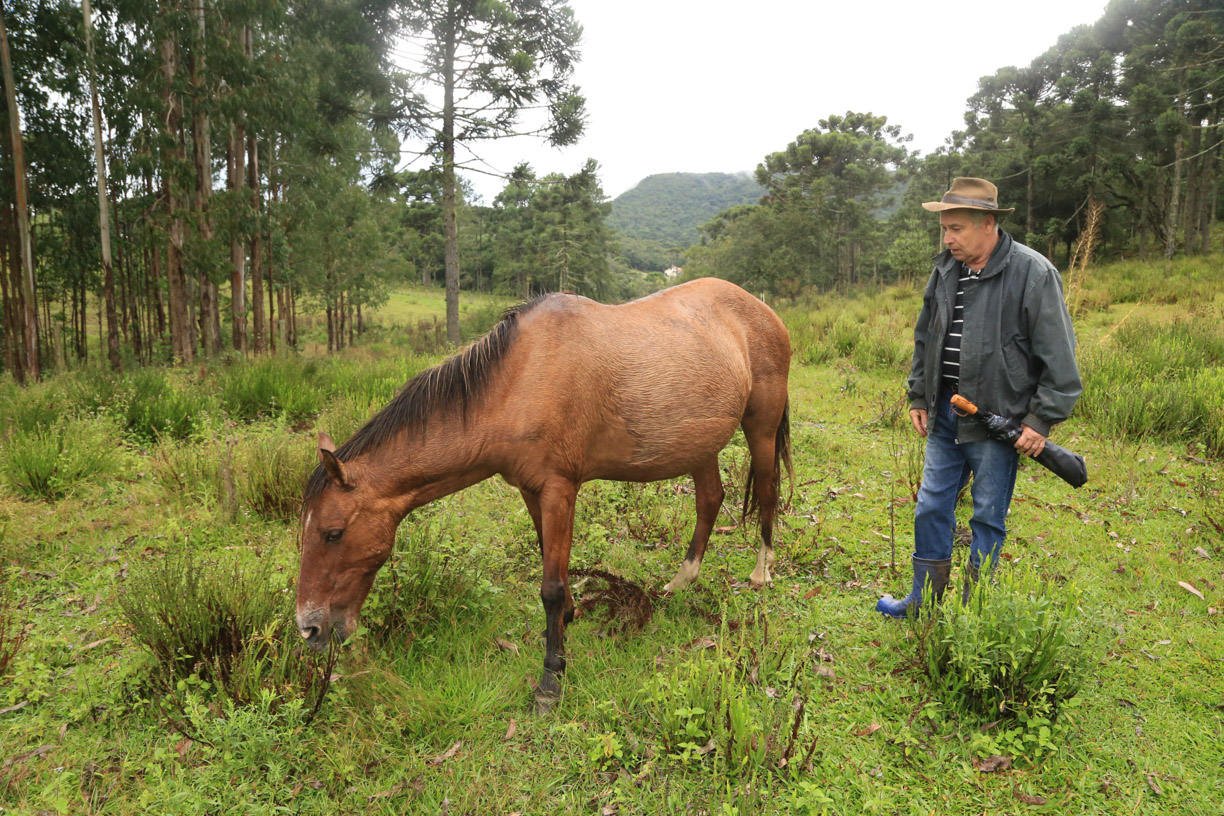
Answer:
(993, 327)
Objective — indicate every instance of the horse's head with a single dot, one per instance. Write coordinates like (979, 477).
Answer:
(348, 529)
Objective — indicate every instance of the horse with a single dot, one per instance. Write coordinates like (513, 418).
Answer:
(562, 391)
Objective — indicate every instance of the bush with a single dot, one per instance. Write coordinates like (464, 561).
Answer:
(223, 628)
(1012, 651)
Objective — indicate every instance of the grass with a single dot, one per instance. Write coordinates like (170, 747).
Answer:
(430, 710)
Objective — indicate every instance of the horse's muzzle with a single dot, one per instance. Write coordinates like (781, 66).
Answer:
(315, 628)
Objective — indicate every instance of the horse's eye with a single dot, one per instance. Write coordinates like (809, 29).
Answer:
(332, 536)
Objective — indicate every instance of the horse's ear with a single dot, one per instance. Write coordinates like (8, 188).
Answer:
(327, 458)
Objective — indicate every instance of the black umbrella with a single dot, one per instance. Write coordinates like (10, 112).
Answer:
(1061, 462)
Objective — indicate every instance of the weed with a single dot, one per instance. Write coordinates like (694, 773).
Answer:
(198, 617)
(1011, 652)
(426, 581)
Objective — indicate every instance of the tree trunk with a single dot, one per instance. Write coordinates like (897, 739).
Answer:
(29, 368)
(450, 229)
(259, 328)
(181, 346)
(108, 270)
(210, 311)
(235, 162)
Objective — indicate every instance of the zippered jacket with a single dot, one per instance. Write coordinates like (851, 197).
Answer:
(1017, 350)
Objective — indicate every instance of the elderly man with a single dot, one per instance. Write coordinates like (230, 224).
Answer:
(993, 327)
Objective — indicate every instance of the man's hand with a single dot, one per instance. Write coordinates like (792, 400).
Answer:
(1030, 442)
(918, 418)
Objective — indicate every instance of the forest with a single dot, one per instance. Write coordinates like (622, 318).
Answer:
(185, 179)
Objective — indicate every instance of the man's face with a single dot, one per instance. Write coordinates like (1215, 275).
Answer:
(967, 241)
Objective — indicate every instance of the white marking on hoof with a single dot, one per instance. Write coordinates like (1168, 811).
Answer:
(684, 576)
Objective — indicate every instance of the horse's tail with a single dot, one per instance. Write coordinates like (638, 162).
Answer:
(782, 457)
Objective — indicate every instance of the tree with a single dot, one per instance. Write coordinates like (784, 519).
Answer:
(495, 63)
(29, 364)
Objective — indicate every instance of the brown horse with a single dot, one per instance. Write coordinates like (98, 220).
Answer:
(562, 391)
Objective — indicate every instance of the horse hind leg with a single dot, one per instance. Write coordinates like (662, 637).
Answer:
(768, 437)
(709, 490)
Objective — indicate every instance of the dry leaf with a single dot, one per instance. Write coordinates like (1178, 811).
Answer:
(993, 763)
(511, 730)
(1028, 800)
(1153, 784)
(13, 708)
(812, 593)
(1190, 589)
(1201, 552)
(826, 672)
(871, 729)
(701, 643)
(506, 646)
(707, 748)
(450, 754)
(771, 692)
(95, 644)
(388, 793)
(183, 746)
(607, 810)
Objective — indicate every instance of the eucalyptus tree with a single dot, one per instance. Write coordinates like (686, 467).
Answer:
(488, 69)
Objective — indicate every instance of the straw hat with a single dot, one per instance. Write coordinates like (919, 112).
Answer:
(969, 194)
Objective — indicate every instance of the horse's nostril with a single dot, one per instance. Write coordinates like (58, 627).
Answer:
(310, 633)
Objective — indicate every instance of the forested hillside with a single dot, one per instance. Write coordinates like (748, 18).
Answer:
(669, 207)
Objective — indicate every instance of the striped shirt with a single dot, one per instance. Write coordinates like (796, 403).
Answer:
(950, 359)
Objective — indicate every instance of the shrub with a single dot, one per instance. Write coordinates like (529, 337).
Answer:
(1012, 651)
(223, 627)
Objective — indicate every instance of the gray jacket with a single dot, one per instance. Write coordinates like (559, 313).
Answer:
(1017, 348)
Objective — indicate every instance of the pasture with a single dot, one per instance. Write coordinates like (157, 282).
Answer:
(142, 510)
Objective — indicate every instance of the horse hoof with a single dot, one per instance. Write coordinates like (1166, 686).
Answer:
(545, 703)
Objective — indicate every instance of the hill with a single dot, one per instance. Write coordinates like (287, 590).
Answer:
(669, 207)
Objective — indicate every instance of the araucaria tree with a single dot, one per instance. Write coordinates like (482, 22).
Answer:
(501, 68)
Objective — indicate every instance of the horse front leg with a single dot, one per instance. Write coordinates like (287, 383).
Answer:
(557, 526)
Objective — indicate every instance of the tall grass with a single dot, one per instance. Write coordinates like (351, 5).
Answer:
(1162, 380)
(50, 462)
(871, 328)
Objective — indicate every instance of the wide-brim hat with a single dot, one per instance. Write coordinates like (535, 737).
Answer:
(969, 194)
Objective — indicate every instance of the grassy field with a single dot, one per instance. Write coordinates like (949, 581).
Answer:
(795, 699)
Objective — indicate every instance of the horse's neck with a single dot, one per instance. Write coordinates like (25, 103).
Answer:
(444, 459)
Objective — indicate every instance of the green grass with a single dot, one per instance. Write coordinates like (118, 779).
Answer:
(430, 709)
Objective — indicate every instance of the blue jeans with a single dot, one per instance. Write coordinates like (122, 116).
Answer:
(948, 465)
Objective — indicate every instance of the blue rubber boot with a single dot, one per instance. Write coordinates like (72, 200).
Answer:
(938, 572)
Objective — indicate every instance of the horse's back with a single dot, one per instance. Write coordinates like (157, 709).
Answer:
(649, 386)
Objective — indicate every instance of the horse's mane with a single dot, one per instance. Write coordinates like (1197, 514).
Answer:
(451, 386)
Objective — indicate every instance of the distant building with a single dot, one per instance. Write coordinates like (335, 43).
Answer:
(672, 272)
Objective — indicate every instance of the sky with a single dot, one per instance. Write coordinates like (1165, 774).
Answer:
(707, 86)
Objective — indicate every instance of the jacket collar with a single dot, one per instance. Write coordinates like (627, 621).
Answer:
(946, 264)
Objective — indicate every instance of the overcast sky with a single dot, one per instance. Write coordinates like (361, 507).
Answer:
(713, 86)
